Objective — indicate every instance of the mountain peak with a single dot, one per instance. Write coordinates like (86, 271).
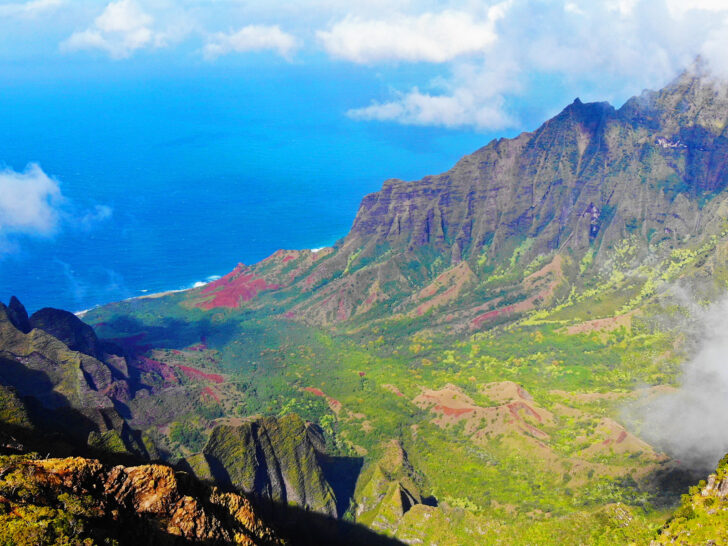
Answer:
(18, 315)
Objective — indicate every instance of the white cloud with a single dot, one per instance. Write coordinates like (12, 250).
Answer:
(32, 204)
(472, 97)
(29, 202)
(612, 49)
(429, 37)
(121, 29)
(251, 38)
(28, 9)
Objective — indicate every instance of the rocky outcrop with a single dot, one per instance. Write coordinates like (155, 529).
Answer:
(17, 315)
(143, 505)
(703, 516)
(387, 490)
(69, 329)
(276, 459)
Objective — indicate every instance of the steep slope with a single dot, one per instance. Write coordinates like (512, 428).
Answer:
(276, 459)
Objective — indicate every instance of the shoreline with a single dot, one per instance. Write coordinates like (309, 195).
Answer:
(195, 285)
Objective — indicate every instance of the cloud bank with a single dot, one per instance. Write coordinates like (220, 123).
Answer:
(488, 56)
(618, 47)
(690, 423)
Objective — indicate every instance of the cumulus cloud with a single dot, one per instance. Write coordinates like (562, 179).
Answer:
(429, 37)
(121, 29)
(251, 38)
(32, 204)
(29, 201)
(689, 424)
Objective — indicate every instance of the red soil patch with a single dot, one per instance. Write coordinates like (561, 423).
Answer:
(238, 286)
(480, 319)
(314, 391)
(515, 406)
(288, 259)
(209, 392)
(622, 437)
(455, 412)
(192, 373)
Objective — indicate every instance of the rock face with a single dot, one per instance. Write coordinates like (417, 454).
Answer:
(69, 390)
(387, 490)
(18, 316)
(147, 504)
(587, 175)
(277, 459)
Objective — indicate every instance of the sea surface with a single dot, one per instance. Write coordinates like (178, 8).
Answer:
(199, 171)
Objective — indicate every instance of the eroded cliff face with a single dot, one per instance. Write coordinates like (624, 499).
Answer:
(652, 172)
(277, 459)
(83, 501)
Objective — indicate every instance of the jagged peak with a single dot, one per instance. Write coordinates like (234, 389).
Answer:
(18, 316)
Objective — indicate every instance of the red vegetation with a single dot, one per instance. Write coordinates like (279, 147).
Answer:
(314, 391)
(209, 392)
(237, 286)
(192, 373)
(153, 366)
(288, 258)
(289, 314)
(456, 412)
(362, 374)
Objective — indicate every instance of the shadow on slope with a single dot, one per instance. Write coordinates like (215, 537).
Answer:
(304, 528)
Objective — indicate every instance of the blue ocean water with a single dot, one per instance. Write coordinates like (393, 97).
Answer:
(201, 171)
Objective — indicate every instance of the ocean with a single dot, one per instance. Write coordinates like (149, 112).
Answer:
(200, 172)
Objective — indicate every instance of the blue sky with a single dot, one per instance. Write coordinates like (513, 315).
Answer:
(109, 108)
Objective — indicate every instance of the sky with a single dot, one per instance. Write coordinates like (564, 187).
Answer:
(301, 107)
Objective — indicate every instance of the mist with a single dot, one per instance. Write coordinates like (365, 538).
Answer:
(691, 423)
